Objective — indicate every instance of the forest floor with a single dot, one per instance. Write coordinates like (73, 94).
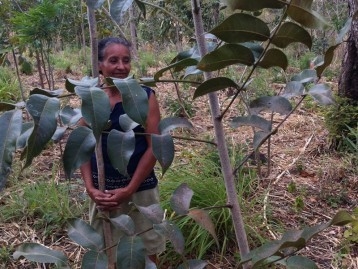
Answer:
(322, 183)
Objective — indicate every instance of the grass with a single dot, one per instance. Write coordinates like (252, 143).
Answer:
(202, 173)
(9, 86)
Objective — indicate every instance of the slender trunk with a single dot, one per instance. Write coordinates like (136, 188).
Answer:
(38, 65)
(101, 178)
(221, 143)
(18, 75)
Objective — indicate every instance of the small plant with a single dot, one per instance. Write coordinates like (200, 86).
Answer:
(9, 87)
(351, 139)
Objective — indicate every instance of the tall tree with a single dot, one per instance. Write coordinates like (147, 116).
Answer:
(348, 81)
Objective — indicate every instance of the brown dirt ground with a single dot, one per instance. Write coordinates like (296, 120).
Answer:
(300, 156)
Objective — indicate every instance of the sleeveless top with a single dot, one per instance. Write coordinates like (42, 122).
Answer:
(113, 178)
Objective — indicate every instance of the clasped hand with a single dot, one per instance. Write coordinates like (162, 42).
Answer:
(109, 199)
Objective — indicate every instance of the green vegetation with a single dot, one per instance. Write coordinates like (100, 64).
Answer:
(9, 86)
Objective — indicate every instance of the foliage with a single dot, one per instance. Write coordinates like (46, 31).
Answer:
(338, 119)
(9, 87)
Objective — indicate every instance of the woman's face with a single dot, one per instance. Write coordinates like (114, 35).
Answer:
(116, 62)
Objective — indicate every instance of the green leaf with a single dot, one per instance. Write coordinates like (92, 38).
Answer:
(170, 123)
(85, 235)
(94, 260)
(135, 99)
(79, 149)
(163, 150)
(131, 253)
(292, 89)
(141, 7)
(94, 4)
(52, 93)
(276, 104)
(193, 264)
(11, 123)
(59, 133)
(85, 82)
(254, 5)
(307, 75)
(127, 123)
(213, 85)
(95, 108)
(177, 65)
(241, 27)
(26, 131)
(274, 57)
(300, 11)
(171, 231)
(342, 218)
(252, 120)
(44, 111)
(154, 212)
(121, 149)
(118, 9)
(180, 199)
(322, 94)
(328, 57)
(290, 32)
(70, 116)
(226, 55)
(299, 262)
(202, 218)
(6, 106)
(39, 253)
(259, 139)
(124, 223)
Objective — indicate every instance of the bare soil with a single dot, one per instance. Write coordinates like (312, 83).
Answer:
(307, 185)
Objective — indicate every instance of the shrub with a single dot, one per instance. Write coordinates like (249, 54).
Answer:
(9, 87)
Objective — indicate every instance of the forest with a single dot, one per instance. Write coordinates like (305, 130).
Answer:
(257, 149)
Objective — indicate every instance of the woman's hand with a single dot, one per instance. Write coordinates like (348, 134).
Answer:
(109, 199)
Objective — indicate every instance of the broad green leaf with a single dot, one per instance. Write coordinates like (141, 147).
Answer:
(328, 57)
(95, 108)
(202, 218)
(121, 149)
(274, 57)
(171, 231)
(70, 116)
(342, 218)
(79, 149)
(178, 65)
(292, 89)
(85, 82)
(299, 262)
(253, 121)
(11, 123)
(301, 12)
(213, 85)
(180, 199)
(127, 123)
(307, 75)
(49, 93)
(193, 264)
(241, 27)
(254, 5)
(163, 150)
(85, 235)
(226, 55)
(259, 138)
(39, 253)
(118, 9)
(154, 212)
(131, 253)
(290, 32)
(276, 104)
(322, 94)
(94, 260)
(168, 124)
(6, 106)
(44, 111)
(26, 131)
(94, 4)
(135, 99)
(255, 48)
(59, 133)
(124, 223)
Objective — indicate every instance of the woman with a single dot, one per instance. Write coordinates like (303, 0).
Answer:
(141, 187)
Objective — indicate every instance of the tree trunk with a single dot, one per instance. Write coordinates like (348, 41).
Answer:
(348, 80)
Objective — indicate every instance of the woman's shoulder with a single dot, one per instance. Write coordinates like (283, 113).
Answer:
(148, 90)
